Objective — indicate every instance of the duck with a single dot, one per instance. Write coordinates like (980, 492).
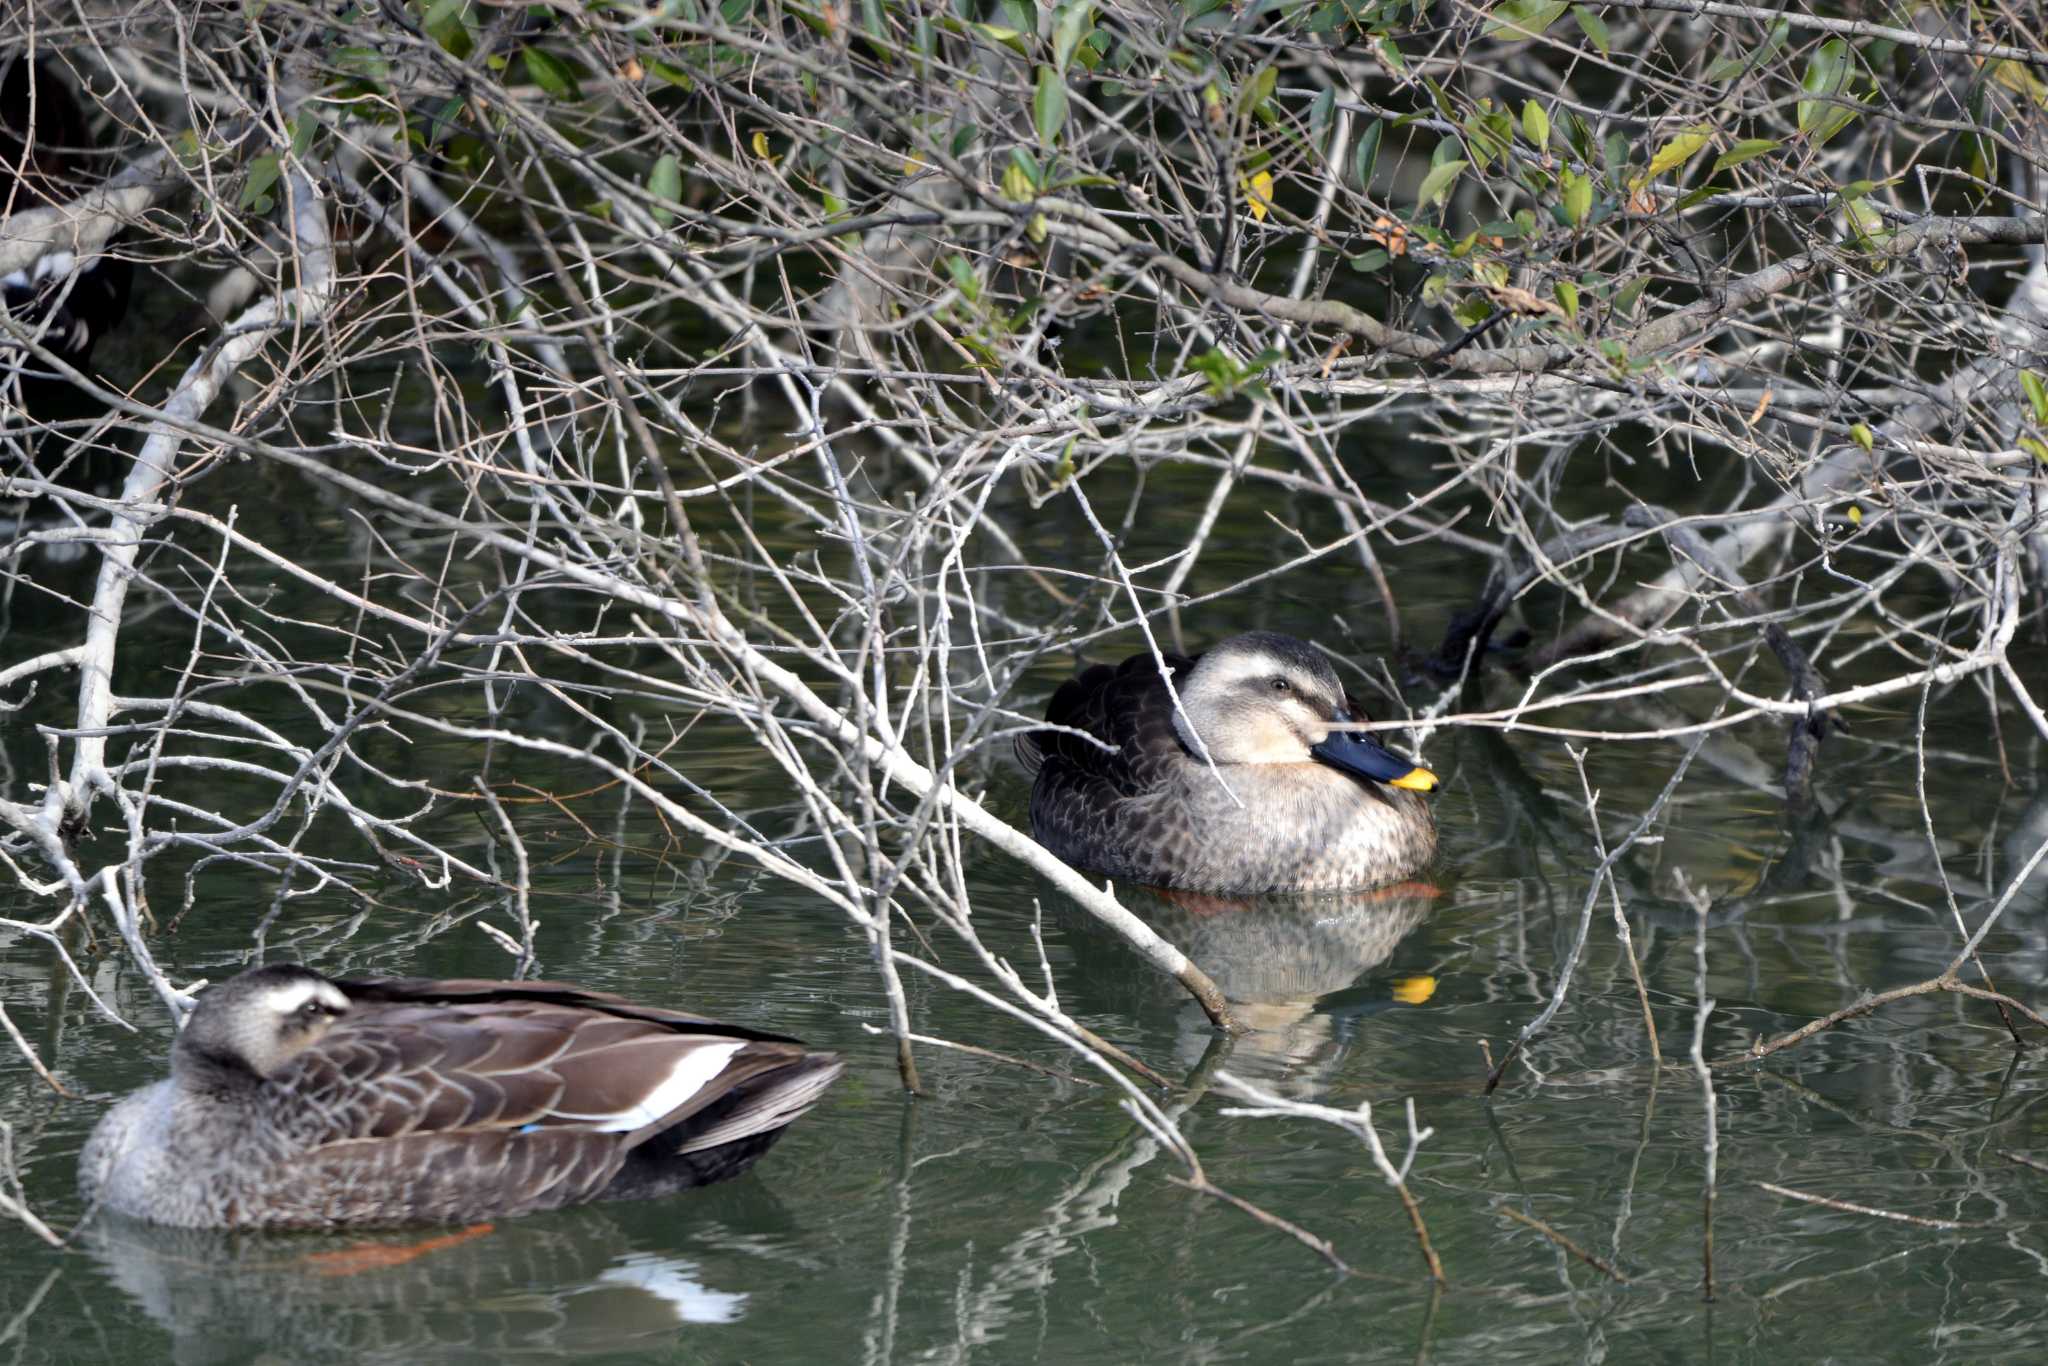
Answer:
(1244, 790)
(48, 157)
(297, 1101)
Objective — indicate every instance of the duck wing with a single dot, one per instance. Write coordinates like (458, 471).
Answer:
(417, 1056)
(478, 1095)
(1124, 706)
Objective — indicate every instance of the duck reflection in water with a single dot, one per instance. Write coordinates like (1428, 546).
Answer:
(1287, 963)
(559, 1285)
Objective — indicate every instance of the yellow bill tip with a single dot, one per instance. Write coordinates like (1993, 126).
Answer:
(1413, 991)
(1416, 780)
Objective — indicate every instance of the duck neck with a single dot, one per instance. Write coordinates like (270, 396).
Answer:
(210, 1073)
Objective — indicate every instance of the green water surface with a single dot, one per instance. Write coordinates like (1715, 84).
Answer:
(1008, 1216)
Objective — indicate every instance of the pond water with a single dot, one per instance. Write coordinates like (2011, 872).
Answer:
(1010, 1216)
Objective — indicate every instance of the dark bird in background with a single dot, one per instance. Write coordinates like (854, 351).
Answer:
(48, 156)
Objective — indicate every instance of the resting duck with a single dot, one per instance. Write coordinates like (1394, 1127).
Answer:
(1291, 806)
(299, 1102)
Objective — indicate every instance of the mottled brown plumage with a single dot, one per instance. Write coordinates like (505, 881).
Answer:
(1290, 805)
(294, 1101)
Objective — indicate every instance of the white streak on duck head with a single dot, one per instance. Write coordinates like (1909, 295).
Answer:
(1260, 698)
(258, 1021)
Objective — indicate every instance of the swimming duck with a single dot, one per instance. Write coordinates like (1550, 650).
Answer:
(1290, 805)
(295, 1101)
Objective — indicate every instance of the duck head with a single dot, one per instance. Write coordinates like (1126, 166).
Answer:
(258, 1021)
(1265, 698)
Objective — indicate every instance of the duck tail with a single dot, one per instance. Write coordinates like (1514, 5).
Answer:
(760, 1105)
(727, 1136)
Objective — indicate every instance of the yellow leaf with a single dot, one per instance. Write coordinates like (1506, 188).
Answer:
(760, 145)
(2021, 81)
(1855, 515)
(1258, 193)
(1413, 991)
(1681, 149)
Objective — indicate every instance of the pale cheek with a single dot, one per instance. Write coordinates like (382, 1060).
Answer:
(1278, 744)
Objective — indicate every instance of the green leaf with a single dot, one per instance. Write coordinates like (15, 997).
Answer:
(1077, 17)
(1258, 89)
(553, 75)
(1472, 310)
(1862, 436)
(1864, 219)
(1367, 157)
(1320, 115)
(1614, 156)
(1625, 302)
(1049, 106)
(1018, 187)
(673, 75)
(665, 184)
(443, 22)
(1567, 298)
(263, 173)
(1437, 184)
(1016, 40)
(1536, 125)
(1826, 75)
(964, 278)
(1523, 18)
(1578, 196)
(1489, 134)
(1594, 27)
(1729, 67)
(2035, 447)
(1749, 149)
(366, 63)
(1580, 136)
(2037, 395)
(1833, 119)
(1370, 261)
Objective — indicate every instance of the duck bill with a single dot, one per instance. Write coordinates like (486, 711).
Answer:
(1357, 752)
